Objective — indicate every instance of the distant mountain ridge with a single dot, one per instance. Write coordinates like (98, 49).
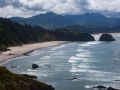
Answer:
(51, 20)
(94, 19)
(47, 20)
(87, 17)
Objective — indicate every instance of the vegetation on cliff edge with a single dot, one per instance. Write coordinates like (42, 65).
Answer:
(13, 34)
(11, 81)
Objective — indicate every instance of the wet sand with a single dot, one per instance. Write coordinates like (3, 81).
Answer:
(21, 50)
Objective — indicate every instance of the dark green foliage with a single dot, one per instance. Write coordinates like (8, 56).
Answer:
(93, 29)
(12, 33)
(3, 48)
(70, 35)
(11, 81)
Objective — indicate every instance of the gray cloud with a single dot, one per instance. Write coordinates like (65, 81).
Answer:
(3, 3)
(27, 8)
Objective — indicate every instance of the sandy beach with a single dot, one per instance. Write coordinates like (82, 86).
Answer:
(18, 51)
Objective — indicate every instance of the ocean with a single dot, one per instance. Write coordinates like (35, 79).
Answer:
(74, 65)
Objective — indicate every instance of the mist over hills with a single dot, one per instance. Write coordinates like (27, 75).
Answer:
(48, 20)
(51, 20)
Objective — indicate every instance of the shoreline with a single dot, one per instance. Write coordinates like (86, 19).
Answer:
(18, 51)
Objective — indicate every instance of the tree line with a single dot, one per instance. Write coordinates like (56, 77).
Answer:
(14, 34)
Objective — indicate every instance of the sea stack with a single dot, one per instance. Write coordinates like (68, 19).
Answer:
(106, 37)
(35, 66)
(86, 37)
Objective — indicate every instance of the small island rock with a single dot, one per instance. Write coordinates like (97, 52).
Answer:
(34, 66)
(106, 37)
(100, 87)
(30, 76)
(110, 88)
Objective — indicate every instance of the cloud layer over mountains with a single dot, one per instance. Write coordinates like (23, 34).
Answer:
(27, 8)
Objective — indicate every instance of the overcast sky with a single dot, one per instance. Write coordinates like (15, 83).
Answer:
(27, 8)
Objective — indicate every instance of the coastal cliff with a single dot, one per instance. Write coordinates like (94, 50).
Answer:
(11, 81)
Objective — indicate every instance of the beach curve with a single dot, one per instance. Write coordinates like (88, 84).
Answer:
(17, 51)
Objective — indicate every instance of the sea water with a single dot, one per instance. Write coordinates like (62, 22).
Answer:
(75, 65)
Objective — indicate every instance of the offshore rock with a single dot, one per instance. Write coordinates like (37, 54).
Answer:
(106, 37)
(35, 66)
(100, 87)
(30, 76)
(110, 88)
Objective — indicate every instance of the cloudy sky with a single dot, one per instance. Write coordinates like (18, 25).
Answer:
(27, 8)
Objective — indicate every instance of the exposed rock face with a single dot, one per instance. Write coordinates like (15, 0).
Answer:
(74, 78)
(35, 66)
(86, 37)
(106, 37)
(100, 87)
(30, 76)
(110, 88)
(11, 81)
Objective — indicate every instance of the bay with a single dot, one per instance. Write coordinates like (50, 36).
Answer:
(75, 65)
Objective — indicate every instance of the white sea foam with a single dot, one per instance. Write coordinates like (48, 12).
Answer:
(75, 69)
(46, 57)
(82, 65)
(83, 51)
(36, 52)
(87, 45)
(93, 43)
(58, 47)
(58, 53)
(91, 74)
(85, 55)
(99, 79)
(2, 63)
(78, 59)
(75, 58)
(31, 70)
(30, 73)
(88, 86)
(43, 75)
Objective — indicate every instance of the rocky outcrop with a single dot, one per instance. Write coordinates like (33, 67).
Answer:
(100, 87)
(11, 81)
(30, 76)
(106, 37)
(74, 78)
(86, 37)
(13, 66)
(110, 88)
(35, 66)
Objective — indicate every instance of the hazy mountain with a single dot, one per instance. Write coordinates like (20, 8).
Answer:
(117, 23)
(87, 17)
(48, 20)
(94, 19)
(52, 20)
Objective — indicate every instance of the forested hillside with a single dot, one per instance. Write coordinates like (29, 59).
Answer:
(92, 29)
(13, 33)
